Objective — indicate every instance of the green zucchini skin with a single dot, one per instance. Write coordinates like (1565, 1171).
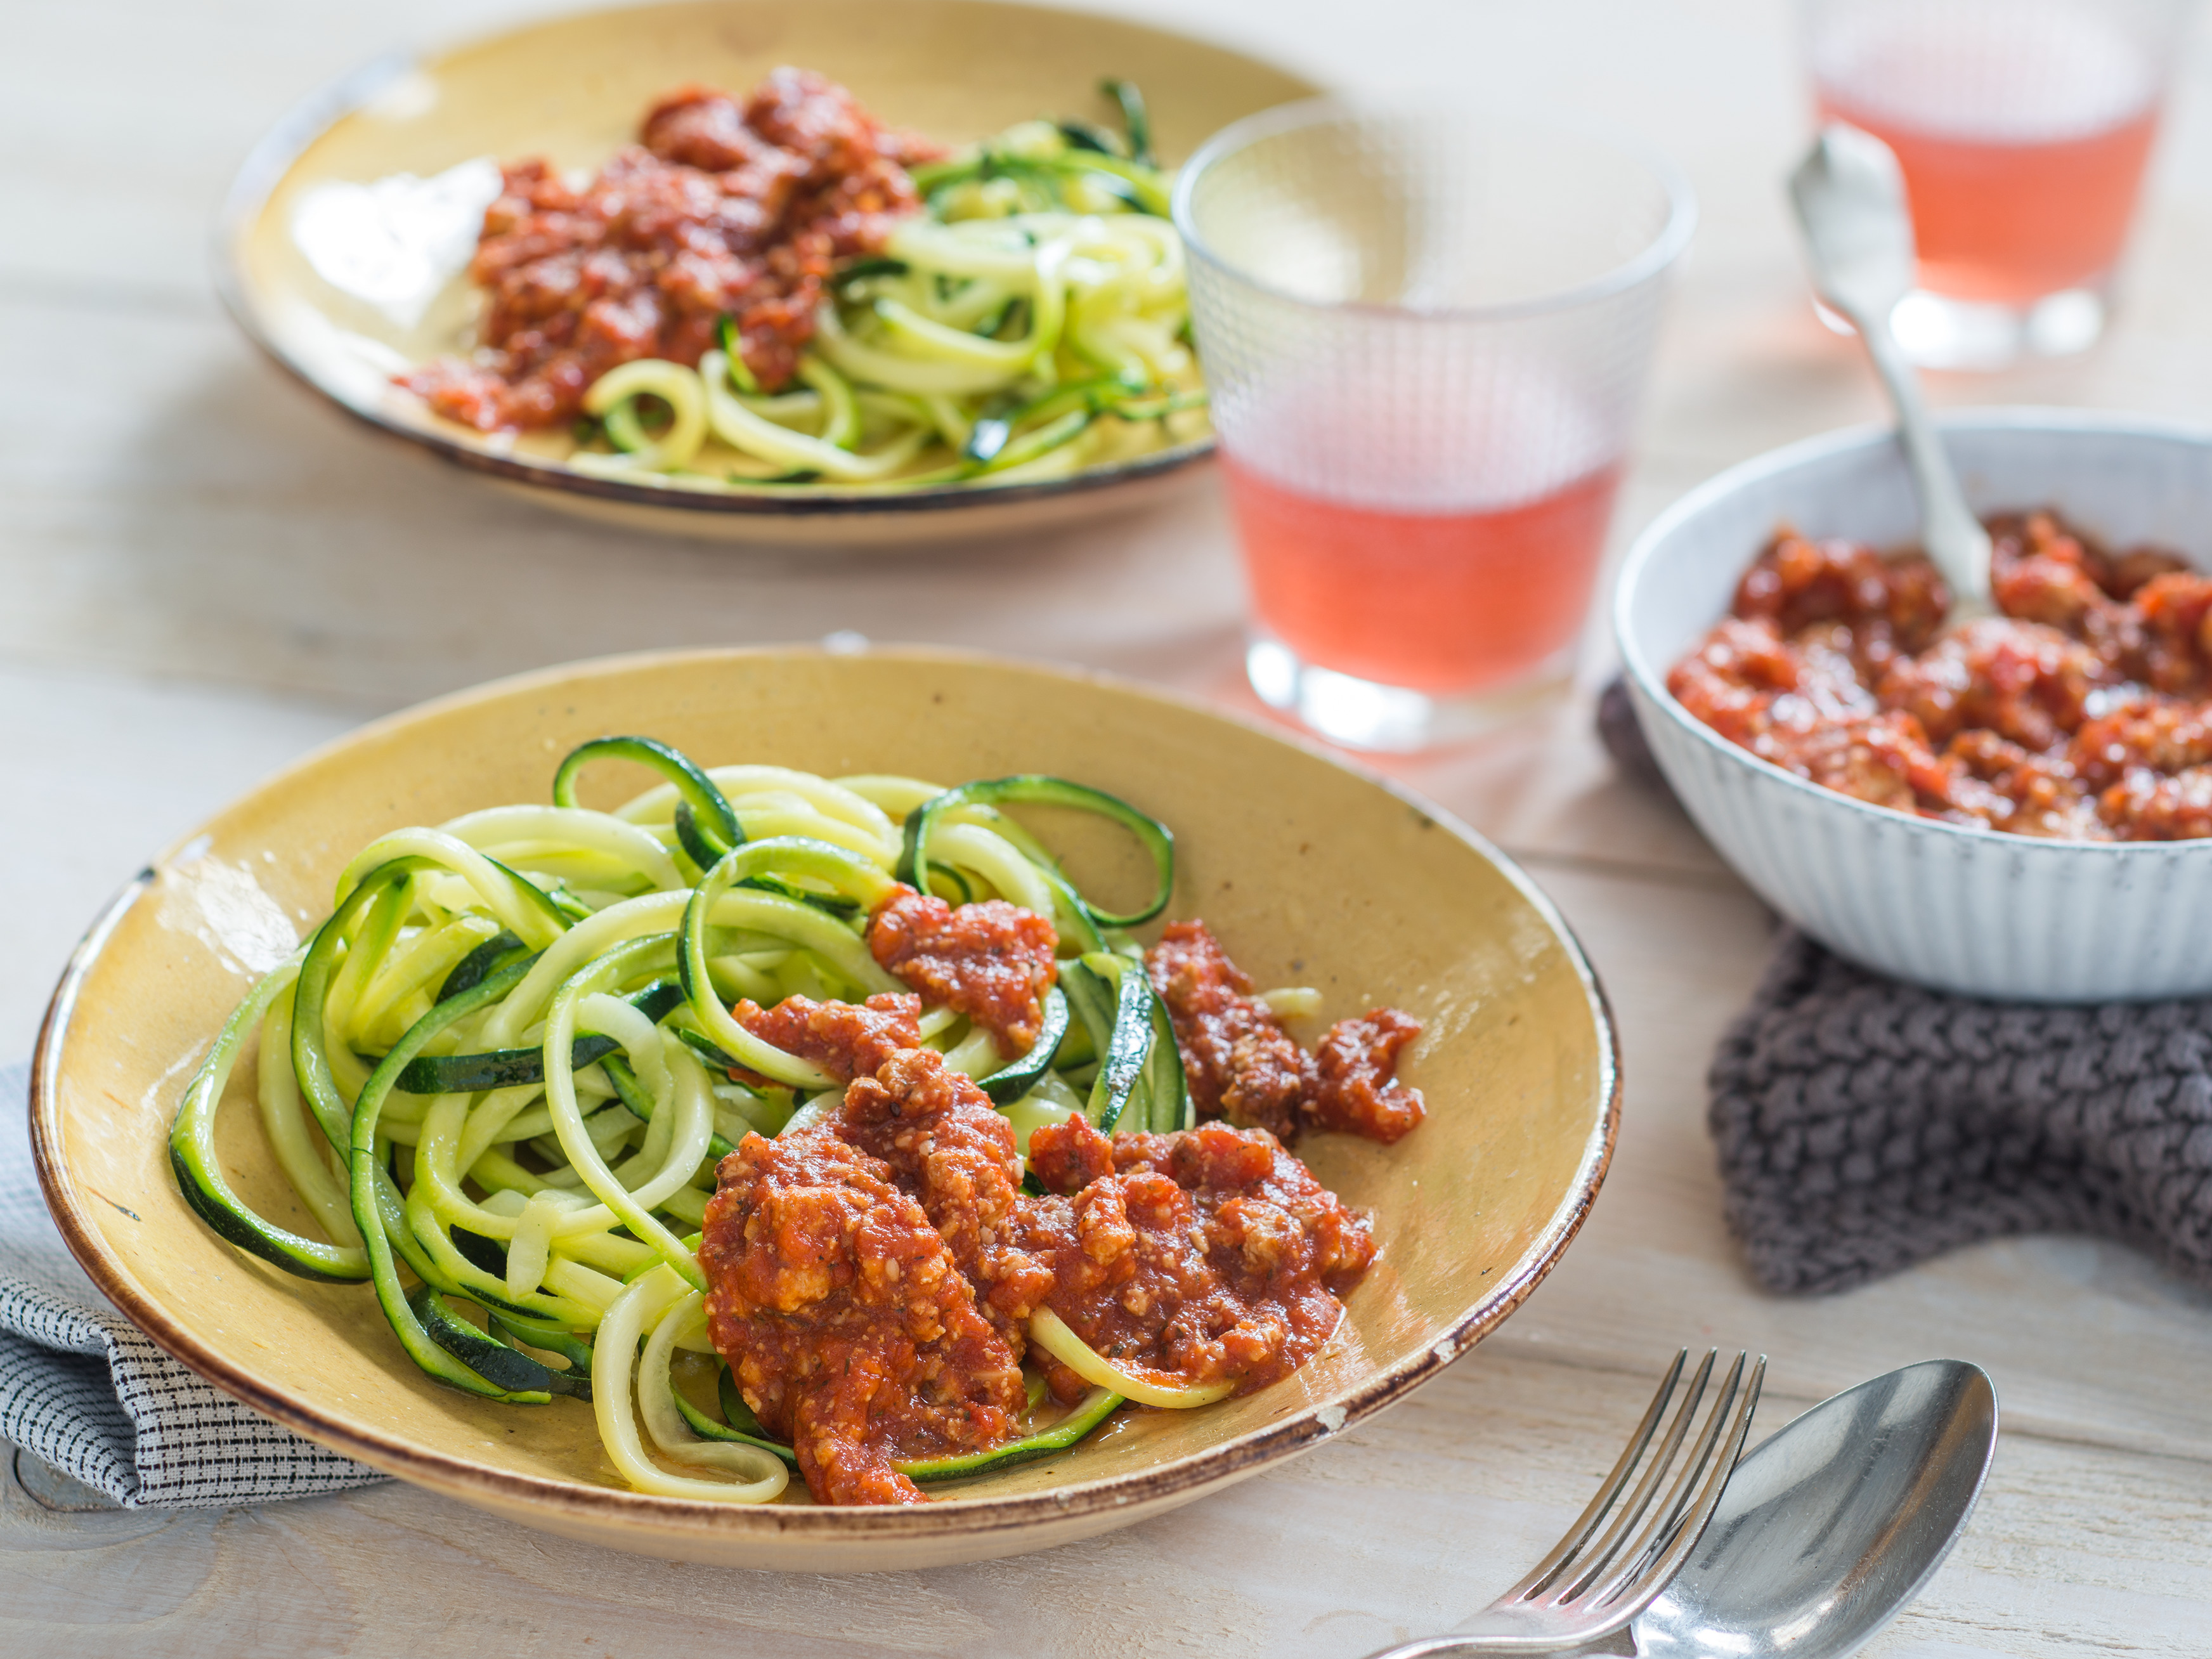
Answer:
(1086, 921)
(1128, 169)
(1091, 997)
(472, 970)
(1116, 1002)
(707, 1429)
(311, 1063)
(1066, 411)
(844, 910)
(256, 1237)
(493, 1360)
(874, 264)
(696, 845)
(638, 1098)
(502, 1068)
(1081, 134)
(486, 1253)
(1134, 117)
(1169, 1089)
(564, 913)
(1095, 1408)
(1010, 1083)
(699, 1045)
(1119, 1095)
(199, 1174)
(712, 820)
(576, 1382)
(422, 1331)
(539, 1334)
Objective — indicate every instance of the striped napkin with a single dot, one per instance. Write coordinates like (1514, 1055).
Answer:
(84, 1390)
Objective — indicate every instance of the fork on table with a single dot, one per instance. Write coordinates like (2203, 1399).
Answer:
(1603, 1573)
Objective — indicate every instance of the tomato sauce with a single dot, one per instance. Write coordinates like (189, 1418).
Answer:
(993, 961)
(1210, 1256)
(2079, 712)
(872, 1274)
(945, 1143)
(851, 1330)
(845, 1039)
(721, 209)
(1244, 1066)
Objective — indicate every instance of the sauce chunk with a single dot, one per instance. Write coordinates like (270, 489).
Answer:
(1208, 1255)
(850, 1329)
(948, 1146)
(993, 961)
(1244, 1066)
(722, 209)
(845, 1039)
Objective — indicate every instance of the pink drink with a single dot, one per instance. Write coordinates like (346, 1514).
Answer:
(1446, 546)
(2022, 127)
(1436, 601)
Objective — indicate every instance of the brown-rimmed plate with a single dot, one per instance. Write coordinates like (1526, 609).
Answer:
(574, 89)
(1310, 871)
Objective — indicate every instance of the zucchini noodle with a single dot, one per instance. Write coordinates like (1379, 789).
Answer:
(500, 1076)
(1050, 1332)
(1033, 320)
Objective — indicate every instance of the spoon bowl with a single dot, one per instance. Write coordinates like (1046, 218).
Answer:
(1833, 1524)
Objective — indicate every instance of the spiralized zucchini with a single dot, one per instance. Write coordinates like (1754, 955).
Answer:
(1031, 322)
(498, 1076)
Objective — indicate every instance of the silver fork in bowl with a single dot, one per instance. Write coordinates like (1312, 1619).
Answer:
(1605, 1572)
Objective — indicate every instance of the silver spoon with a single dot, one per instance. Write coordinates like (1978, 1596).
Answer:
(1830, 1528)
(1833, 1525)
(1849, 197)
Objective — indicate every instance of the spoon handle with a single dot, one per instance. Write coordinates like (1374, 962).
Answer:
(1953, 536)
(1621, 1643)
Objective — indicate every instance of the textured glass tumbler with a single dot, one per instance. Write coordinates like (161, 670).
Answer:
(2022, 127)
(1425, 330)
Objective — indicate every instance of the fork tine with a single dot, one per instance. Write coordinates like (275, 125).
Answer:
(1684, 1497)
(1593, 1516)
(1630, 1533)
(1587, 1567)
(1661, 1550)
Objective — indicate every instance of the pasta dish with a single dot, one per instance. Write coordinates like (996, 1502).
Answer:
(777, 290)
(799, 1125)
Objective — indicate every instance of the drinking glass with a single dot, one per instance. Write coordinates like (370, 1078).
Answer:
(2022, 127)
(1424, 329)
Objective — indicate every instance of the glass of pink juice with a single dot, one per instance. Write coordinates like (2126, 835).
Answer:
(2022, 127)
(1424, 329)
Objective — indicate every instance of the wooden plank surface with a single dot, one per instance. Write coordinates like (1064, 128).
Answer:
(208, 572)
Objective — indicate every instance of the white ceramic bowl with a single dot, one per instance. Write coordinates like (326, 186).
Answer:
(1965, 910)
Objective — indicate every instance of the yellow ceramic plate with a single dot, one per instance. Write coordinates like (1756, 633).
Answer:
(1310, 872)
(574, 88)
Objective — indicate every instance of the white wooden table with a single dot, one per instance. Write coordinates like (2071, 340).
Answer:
(205, 572)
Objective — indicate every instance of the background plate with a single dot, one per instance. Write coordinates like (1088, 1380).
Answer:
(1310, 872)
(575, 89)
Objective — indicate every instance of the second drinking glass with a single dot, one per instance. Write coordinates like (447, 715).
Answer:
(1424, 331)
(2022, 127)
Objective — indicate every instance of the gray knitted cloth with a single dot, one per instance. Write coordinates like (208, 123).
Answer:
(1863, 1125)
